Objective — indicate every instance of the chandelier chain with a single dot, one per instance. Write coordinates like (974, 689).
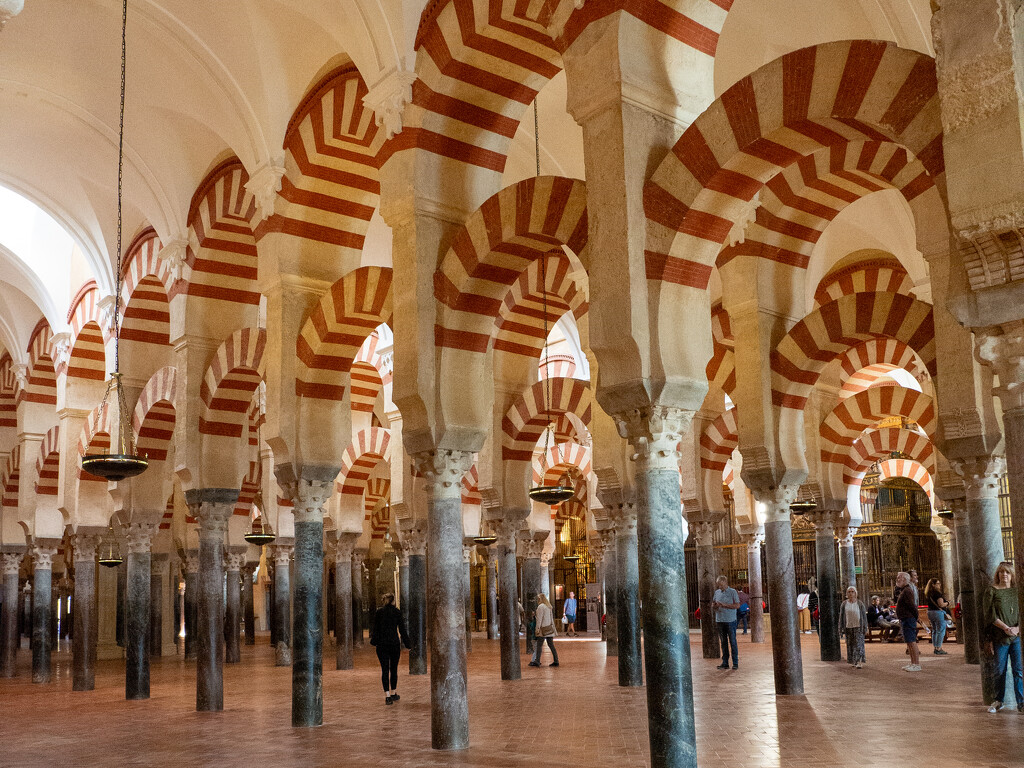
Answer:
(120, 182)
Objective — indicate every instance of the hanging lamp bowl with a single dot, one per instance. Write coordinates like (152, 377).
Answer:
(111, 560)
(485, 541)
(260, 533)
(551, 494)
(114, 466)
(571, 558)
(802, 507)
(945, 514)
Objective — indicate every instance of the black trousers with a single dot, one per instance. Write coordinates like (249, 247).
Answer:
(389, 656)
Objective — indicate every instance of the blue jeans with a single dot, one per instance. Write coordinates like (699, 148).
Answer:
(938, 622)
(1008, 653)
(743, 617)
(727, 634)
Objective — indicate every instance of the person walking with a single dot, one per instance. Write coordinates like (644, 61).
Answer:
(388, 625)
(726, 601)
(545, 631)
(853, 622)
(569, 614)
(1001, 615)
(803, 607)
(937, 605)
(743, 612)
(906, 612)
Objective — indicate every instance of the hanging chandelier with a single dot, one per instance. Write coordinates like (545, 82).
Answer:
(259, 532)
(110, 553)
(802, 507)
(124, 461)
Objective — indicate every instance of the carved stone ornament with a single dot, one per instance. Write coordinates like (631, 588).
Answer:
(234, 561)
(106, 310)
(213, 518)
(388, 99)
(1004, 352)
(61, 343)
(981, 475)
(414, 537)
(309, 498)
(191, 562)
(443, 471)
(264, 183)
(754, 542)
(845, 535)
(506, 531)
(282, 555)
(10, 563)
(21, 375)
(655, 433)
(704, 533)
(85, 545)
(174, 254)
(139, 537)
(42, 556)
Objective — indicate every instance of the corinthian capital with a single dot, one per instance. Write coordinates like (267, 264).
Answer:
(443, 470)
(309, 498)
(10, 562)
(139, 537)
(655, 433)
(43, 556)
(705, 534)
(981, 474)
(264, 183)
(413, 533)
(1002, 348)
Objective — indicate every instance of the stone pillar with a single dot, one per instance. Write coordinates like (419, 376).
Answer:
(213, 514)
(778, 540)
(282, 554)
(370, 598)
(158, 570)
(628, 605)
(828, 582)
(42, 579)
(847, 562)
(707, 573)
(508, 596)
(343, 599)
(63, 614)
(9, 636)
(402, 560)
(981, 476)
(248, 606)
(233, 608)
(1013, 429)
(449, 705)
(967, 628)
(138, 602)
(122, 585)
(414, 539)
(106, 612)
(545, 575)
(467, 567)
(358, 557)
(946, 563)
(492, 593)
(531, 550)
(611, 592)
(754, 585)
(310, 496)
(191, 588)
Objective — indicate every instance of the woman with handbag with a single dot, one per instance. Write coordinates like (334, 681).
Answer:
(1001, 614)
(545, 630)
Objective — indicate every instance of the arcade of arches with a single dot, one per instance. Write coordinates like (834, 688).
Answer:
(388, 266)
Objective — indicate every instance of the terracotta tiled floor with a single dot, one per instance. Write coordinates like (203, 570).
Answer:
(573, 715)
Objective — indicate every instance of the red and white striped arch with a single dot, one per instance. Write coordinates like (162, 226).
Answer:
(147, 283)
(168, 516)
(884, 275)
(910, 469)
(8, 392)
(855, 414)
(551, 465)
(94, 439)
(470, 490)
(332, 335)
(834, 328)
(718, 441)
(42, 377)
(480, 283)
(557, 366)
(368, 448)
(378, 489)
(531, 413)
(48, 463)
(221, 256)
(721, 368)
(9, 480)
(869, 362)
(330, 188)
(88, 358)
(229, 383)
(879, 443)
(247, 490)
(154, 416)
(368, 375)
(824, 96)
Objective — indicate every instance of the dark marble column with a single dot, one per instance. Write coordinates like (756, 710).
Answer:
(403, 583)
(414, 540)
(138, 593)
(492, 593)
(531, 550)
(847, 562)
(159, 567)
(307, 625)
(662, 565)
(707, 573)
(248, 606)
(119, 617)
(85, 635)
(42, 580)
(628, 605)
(967, 628)
(345, 543)
(449, 705)
(282, 553)
(981, 476)
(213, 513)
(754, 585)
(778, 543)
(467, 566)
(828, 583)
(9, 635)
(370, 600)
(233, 607)
(358, 558)
(191, 588)
(508, 595)
(946, 563)
(272, 621)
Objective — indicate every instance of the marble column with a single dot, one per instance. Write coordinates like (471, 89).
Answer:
(492, 593)
(946, 563)
(158, 570)
(1013, 428)
(531, 549)
(9, 636)
(248, 606)
(370, 598)
(467, 568)
(611, 592)
(449, 704)
(545, 575)
(345, 542)
(309, 495)
(981, 476)
(42, 580)
(402, 558)
(707, 573)
(778, 544)
(358, 558)
(191, 588)
(967, 627)
(754, 585)
(847, 562)
(213, 512)
(122, 584)
(414, 540)
(628, 605)
(282, 554)
(235, 562)
(138, 597)
(828, 583)
(62, 609)
(508, 596)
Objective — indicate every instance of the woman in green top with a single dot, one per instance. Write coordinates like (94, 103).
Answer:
(1002, 616)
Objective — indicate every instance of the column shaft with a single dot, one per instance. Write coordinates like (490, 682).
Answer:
(156, 610)
(847, 567)
(508, 589)
(967, 627)
(1013, 427)
(357, 601)
(706, 575)
(418, 614)
(248, 606)
(531, 586)
(828, 598)
(468, 602)
(611, 600)
(9, 636)
(343, 612)
(232, 616)
(492, 594)
(307, 630)
(41, 608)
(213, 519)
(138, 595)
(755, 588)
(786, 659)
(628, 623)
(191, 632)
(282, 605)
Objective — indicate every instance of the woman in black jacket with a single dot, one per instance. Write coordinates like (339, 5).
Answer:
(387, 626)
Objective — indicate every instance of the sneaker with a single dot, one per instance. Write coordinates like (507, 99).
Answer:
(395, 697)
(941, 652)
(534, 663)
(388, 701)
(995, 707)
(553, 664)
(735, 666)
(857, 665)
(913, 668)
(722, 666)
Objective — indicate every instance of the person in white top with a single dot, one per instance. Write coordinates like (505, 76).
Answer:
(545, 630)
(853, 620)
(803, 607)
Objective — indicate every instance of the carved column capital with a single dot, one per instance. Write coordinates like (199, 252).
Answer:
(308, 498)
(414, 536)
(655, 433)
(344, 546)
(754, 542)
(1002, 348)
(845, 535)
(358, 559)
(42, 556)
(139, 537)
(85, 547)
(530, 547)
(492, 555)
(10, 562)
(777, 501)
(545, 558)
(704, 533)
(623, 517)
(824, 522)
(981, 474)
(945, 541)
(281, 554)
(192, 561)
(443, 471)
(213, 518)
(234, 561)
(506, 531)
